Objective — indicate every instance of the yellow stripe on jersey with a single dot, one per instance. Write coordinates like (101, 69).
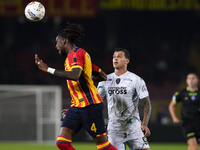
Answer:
(63, 139)
(176, 93)
(83, 91)
(101, 134)
(67, 66)
(75, 92)
(174, 100)
(88, 69)
(99, 146)
(77, 67)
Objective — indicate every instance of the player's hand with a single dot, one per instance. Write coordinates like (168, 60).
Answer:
(176, 120)
(64, 111)
(146, 131)
(41, 65)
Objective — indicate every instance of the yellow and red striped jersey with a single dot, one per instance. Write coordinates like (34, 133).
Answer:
(83, 92)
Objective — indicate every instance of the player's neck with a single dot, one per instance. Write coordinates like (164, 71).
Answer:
(70, 48)
(192, 89)
(119, 72)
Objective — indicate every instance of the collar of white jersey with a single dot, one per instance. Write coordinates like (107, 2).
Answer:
(122, 74)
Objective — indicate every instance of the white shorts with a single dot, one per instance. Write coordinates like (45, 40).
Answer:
(134, 140)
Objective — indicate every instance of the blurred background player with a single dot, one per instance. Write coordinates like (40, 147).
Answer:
(123, 90)
(190, 111)
(86, 105)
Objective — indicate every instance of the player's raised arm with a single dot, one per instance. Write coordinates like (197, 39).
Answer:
(74, 74)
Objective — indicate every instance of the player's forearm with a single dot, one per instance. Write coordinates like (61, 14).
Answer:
(98, 74)
(95, 79)
(100, 77)
(147, 111)
(74, 74)
(172, 110)
(69, 75)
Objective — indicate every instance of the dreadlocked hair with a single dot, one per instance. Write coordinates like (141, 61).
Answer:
(73, 32)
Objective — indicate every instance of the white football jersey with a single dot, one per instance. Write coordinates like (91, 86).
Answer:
(123, 93)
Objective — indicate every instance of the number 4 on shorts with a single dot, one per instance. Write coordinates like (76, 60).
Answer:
(93, 127)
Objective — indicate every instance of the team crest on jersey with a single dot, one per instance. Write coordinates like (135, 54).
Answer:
(186, 98)
(118, 80)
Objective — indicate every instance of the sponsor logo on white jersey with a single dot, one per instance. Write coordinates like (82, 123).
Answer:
(117, 90)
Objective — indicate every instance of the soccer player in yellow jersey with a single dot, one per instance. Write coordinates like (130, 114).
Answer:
(86, 105)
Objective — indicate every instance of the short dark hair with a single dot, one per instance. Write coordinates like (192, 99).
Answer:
(127, 54)
(195, 73)
(73, 32)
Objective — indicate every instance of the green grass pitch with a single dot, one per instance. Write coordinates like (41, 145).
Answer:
(84, 146)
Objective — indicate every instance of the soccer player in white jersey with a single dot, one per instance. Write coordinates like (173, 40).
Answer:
(123, 90)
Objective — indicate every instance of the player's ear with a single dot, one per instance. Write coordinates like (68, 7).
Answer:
(64, 41)
(127, 61)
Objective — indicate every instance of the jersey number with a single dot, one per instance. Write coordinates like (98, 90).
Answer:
(93, 127)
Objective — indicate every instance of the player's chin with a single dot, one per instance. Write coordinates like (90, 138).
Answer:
(115, 66)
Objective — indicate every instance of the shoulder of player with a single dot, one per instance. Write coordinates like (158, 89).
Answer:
(184, 90)
(78, 50)
(133, 76)
(104, 83)
(128, 75)
(110, 76)
(81, 50)
(180, 92)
